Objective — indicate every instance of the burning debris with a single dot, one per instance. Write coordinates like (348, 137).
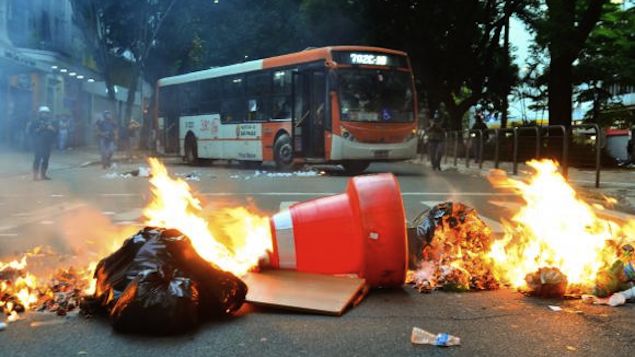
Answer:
(157, 283)
(555, 244)
(22, 291)
(161, 280)
(450, 250)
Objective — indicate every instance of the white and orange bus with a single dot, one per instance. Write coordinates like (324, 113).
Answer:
(347, 105)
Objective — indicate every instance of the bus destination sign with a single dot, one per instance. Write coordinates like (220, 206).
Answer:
(370, 59)
(362, 58)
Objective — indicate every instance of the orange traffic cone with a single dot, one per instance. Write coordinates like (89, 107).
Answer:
(361, 231)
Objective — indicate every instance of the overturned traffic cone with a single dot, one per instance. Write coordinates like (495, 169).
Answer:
(361, 231)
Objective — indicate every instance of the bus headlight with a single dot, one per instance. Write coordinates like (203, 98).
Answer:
(347, 135)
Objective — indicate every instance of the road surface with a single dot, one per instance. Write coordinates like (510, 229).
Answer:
(83, 204)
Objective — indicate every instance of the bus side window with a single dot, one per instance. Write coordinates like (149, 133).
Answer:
(258, 97)
(210, 96)
(232, 110)
(189, 98)
(281, 99)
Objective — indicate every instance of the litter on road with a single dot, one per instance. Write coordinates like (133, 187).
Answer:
(422, 337)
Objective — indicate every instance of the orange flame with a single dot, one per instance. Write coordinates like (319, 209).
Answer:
(248, 235)
(555, 228)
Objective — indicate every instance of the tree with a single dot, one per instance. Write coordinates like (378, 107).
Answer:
(455, 47)
(562, 28)
(89, 17)
(607, 61)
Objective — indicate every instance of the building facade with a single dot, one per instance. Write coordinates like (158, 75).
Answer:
(43, 61)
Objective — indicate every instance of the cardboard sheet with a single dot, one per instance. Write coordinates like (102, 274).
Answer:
(284, 289)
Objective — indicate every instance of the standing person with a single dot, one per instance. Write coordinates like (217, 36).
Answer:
(43, 134)
(62, 134)
(479, 125)
(107, 134)
(436, 136)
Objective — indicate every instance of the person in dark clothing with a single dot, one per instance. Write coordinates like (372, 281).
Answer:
(436, 137)
(44, 133)
(478, 126)
(107, 133)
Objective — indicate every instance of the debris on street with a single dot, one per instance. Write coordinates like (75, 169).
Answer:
(142, 171)
(555, 308)
(422, 337)
(3, 326)
(450, 250)
(547, 283)
(299, 173)
(156, 283)
(22, 291)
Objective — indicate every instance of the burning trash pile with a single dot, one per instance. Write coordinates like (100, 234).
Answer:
(556, 244)
(21, 291)
(157, 283)
(161, 280)
(164, 280)
(451, 246)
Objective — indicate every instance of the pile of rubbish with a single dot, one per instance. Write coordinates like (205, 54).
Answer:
(156, 283)
(21, 291)
(449, 246)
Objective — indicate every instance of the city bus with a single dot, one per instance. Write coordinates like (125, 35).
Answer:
(347, 105)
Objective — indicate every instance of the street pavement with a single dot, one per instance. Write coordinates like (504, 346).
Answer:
(85, 206)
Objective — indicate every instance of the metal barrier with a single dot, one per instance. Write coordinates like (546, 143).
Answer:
(598, 149)
(468, 141)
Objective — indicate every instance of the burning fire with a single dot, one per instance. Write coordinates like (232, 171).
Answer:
(247, 236)
(233, 240)
(554, 229)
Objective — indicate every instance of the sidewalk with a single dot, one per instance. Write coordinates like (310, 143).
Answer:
(615, 183)
(17, 163)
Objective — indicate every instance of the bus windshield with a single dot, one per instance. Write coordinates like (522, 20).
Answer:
(375, 95)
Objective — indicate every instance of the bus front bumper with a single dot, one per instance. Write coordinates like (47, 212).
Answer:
(342, 149)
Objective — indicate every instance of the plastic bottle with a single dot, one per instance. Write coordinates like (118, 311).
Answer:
(423, 337)
(620, 298)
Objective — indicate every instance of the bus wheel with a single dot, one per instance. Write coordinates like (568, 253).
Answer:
(283, 153)
(191, 150)
(355, 167)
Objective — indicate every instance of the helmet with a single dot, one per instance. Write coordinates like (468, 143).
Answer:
(44, 109)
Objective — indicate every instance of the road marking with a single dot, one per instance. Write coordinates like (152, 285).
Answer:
(8, 234)
(602, 212)
(57, 196)
(506, 204)
(130, 216)
(108, 213)
(431, 204)
(284, 205)
(120, 194)
(46, 222)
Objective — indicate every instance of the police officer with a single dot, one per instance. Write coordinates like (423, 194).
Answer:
(44, 133)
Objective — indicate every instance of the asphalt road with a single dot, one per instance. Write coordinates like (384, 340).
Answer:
(82, 208)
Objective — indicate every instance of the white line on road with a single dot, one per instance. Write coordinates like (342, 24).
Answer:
(8, 234)
(284, 205)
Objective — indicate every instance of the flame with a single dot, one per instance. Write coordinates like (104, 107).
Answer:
(247, 236)
(554, 228)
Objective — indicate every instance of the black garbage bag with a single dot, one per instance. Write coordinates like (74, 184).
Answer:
(156, 283)
(157, 302)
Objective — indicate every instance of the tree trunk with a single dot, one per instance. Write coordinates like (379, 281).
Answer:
(132, 91)
(560, 91)
(505, 107)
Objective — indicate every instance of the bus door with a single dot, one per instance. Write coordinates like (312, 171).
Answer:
(309, 114)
